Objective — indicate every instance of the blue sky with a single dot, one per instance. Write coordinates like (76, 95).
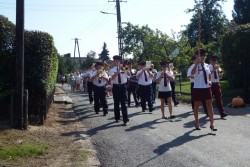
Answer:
(82, 19)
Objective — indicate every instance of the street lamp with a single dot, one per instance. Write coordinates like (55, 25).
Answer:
(119, 29)
(107, 13)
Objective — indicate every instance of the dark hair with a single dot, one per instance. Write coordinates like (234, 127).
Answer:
(202, 51)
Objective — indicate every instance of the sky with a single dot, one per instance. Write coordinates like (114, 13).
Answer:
(66, 20)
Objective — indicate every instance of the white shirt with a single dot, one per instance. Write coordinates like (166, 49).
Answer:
(163, 88)
(123, 74)
(88, 74)
(78, 78)
(199, 81)
(189, 73)
(132, 77)
(141, 80)
(97, 80)
(212, 69)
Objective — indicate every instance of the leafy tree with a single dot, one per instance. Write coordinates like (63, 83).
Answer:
(212, 22)
(66, 64)
(104, 55)
(90, 60)
(146, 44)
(241, 13)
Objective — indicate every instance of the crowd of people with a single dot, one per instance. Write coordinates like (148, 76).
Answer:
(145, 83)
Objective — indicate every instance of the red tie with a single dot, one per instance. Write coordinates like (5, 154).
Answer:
(165, 80)
(215, 73)
(204, 73)
(119, 77)
(145, 75)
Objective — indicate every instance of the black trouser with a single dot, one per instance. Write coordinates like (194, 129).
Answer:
(145, 94)
(119, 95)
(203, 102)
(100, 97)
(90, 91)
(172, 83)
(132, 89)
(153, 91)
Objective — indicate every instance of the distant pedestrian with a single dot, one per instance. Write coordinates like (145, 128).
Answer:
(63, 80)
(72, 82)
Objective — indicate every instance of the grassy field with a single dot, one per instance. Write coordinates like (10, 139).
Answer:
(183, 91)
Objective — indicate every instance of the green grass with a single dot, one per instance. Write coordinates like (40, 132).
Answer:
(26, 150)
(227, 93)
(83, 155)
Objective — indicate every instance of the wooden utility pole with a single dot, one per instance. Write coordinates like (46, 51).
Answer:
(19, 91)
(77, 45)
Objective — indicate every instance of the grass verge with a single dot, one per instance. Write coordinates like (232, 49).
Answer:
(27, 150)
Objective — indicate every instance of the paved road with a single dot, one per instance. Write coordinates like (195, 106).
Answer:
(150, 141)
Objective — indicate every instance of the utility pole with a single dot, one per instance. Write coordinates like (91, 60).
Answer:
(119, 27)
(77, 44)
(18, 109)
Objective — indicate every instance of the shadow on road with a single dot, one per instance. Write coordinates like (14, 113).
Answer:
(186, 137)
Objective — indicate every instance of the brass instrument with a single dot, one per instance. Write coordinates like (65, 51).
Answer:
(105, 66)
(220, 71)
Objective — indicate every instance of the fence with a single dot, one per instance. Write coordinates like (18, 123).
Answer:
(39, 105)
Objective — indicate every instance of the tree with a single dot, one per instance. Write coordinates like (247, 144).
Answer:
(147, 44)
(66, 65)
(90, 60)
(212, 22)
(241, 13)
(104, 55)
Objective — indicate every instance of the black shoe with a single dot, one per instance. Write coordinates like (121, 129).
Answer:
(176, 103)
(105, 113)
(116, 120)
(137, 104)
(97, 112)
(212, 128)
(223, 115)
(151, 109)
(197, 128)
(172, 117)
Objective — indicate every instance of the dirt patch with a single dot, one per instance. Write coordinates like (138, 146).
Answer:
(65, 138)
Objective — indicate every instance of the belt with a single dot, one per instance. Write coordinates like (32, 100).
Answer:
(144, 85)
(119, 84)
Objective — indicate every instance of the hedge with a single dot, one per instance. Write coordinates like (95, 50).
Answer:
(40, 64)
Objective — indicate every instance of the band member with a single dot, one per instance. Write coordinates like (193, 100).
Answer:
(132, 84)
(119, 78)
(154, 71)
(201, 90)
(99, 79)
(216, 88)
(145, 77)
(164, 92)
(191, 77)
(89, 83)
(173, 83)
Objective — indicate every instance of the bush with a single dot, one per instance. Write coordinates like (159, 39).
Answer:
(235, 53)
(40, 65)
